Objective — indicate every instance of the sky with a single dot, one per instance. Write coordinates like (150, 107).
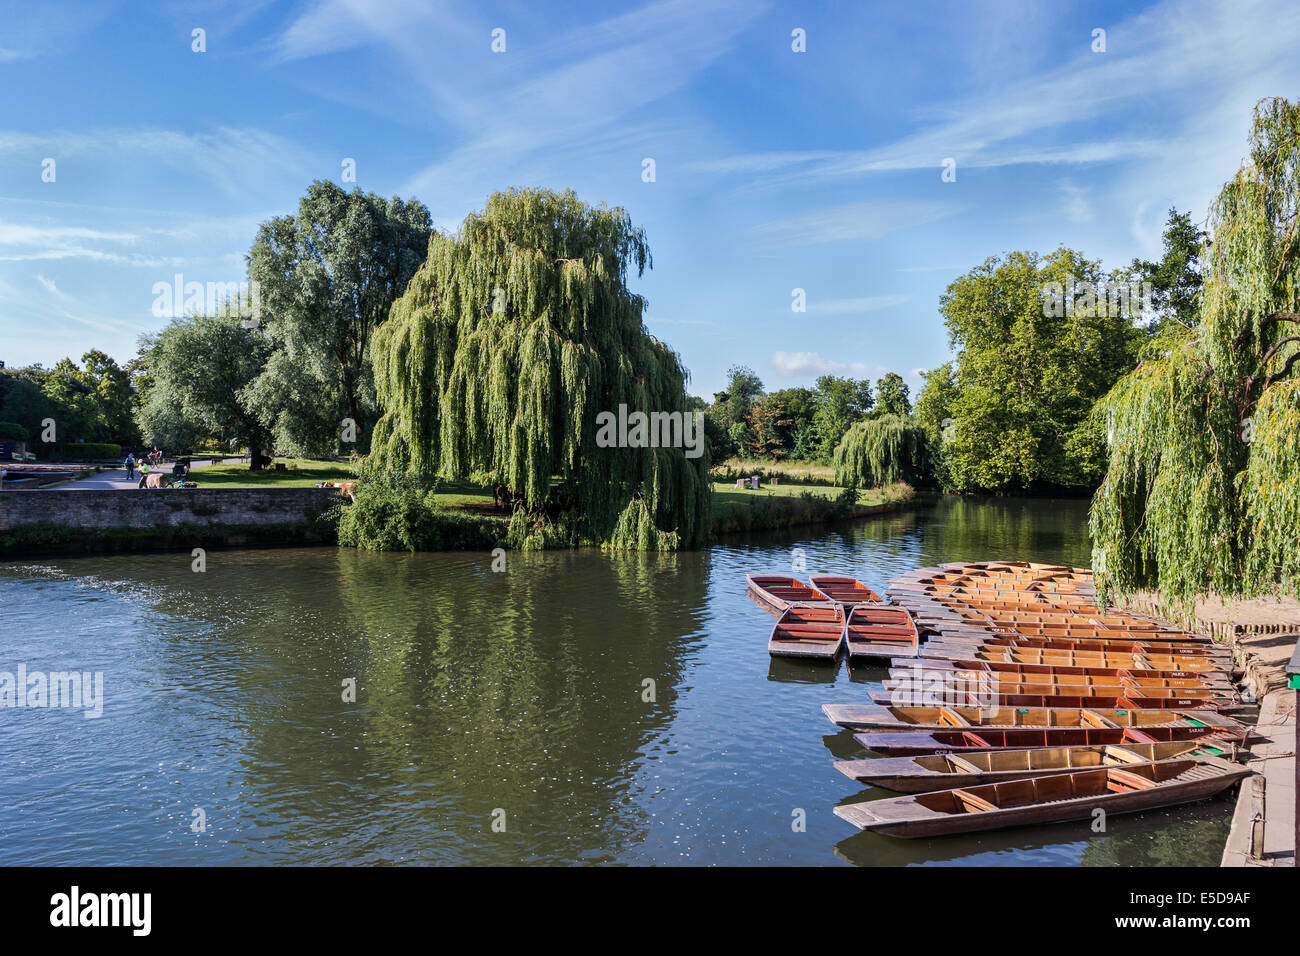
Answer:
(774, 169)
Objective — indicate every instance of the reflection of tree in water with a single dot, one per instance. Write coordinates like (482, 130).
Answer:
(1016, 529)
(476, 690)
(521, 690)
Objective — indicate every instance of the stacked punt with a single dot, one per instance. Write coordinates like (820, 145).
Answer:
(1029, 703)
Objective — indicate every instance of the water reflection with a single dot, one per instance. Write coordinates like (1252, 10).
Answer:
(613, 708)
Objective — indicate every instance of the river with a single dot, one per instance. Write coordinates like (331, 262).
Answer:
(576, 707)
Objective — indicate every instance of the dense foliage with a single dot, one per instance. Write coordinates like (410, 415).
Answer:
(1021, 392)
(326, 278)
(1202, 491)
(881, 451)
(509, 342)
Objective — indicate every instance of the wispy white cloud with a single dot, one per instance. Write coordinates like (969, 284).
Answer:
(811, 364)
(858, 306)
(860, 220)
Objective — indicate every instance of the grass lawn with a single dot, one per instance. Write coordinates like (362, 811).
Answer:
(727, 496)
(467, 495)
(298, 473)
(305, 473)
(794, 469)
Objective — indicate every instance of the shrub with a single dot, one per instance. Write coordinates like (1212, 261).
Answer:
(399, 514)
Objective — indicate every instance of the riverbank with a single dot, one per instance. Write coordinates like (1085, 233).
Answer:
(130, 520)
(1262, 634)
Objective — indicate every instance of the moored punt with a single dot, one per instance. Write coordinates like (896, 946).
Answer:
(1046, 799)
(878, 630)
(1123, 698)
(883, 717)
(844, 590)
(919, 671)
(1101, 645)
(926, 772)
(1029, 655)
(901, 743)
(781, 590)
(810, 631)
(1193, 678)
(979, 686)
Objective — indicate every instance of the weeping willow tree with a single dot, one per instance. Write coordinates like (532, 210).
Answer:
(879, 451)
(511, 339)
(1202, 493)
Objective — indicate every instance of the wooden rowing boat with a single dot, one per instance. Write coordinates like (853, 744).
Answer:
(1046, 799)
(813, 631)
(781, 590)
(885, 717)
(899, 743)
(843, 589)
(926, 772)
(1113, 698)
(881, 631)
(1176, 677)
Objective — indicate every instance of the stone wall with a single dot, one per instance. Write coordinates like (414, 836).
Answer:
(75, 522)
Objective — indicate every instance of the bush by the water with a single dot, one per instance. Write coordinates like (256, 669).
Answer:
(405, 516)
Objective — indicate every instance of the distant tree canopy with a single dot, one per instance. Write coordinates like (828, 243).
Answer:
(326, 278)
(1202, 492)
(200, 369)
(90, 402)
(1176, 279)
(892, 397)
(1028, 372)
(512, 338)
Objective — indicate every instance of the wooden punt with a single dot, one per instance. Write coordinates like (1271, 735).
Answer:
(926, 772)
(977, 685)
(809, 631)
(884, 717)
(1097, 698)
(781, 590)
(1101, 645)
(877, 630)
(1027, 655)
(1175, 678)
(904, 743)
(844, 590)
(1046, 799)
(913, 672)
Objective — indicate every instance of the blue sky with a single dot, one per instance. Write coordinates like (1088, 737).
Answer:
(774, 170)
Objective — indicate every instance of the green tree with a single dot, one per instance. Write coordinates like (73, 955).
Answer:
(892, 397)
(511, 341)
(771, 428)
(934, 415)
(1176, 279)
(1202, 492)
(326, 278)
(1037, 345)
(840, 403)
(201, 368)
(879, 451)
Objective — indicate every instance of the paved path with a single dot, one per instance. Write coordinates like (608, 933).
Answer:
(1270, 793)
(107, 480)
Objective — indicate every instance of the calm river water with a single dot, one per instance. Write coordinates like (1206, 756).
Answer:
(484, 700)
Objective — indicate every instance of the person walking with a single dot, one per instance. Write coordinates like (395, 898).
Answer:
(144, 471)
(130, 466)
